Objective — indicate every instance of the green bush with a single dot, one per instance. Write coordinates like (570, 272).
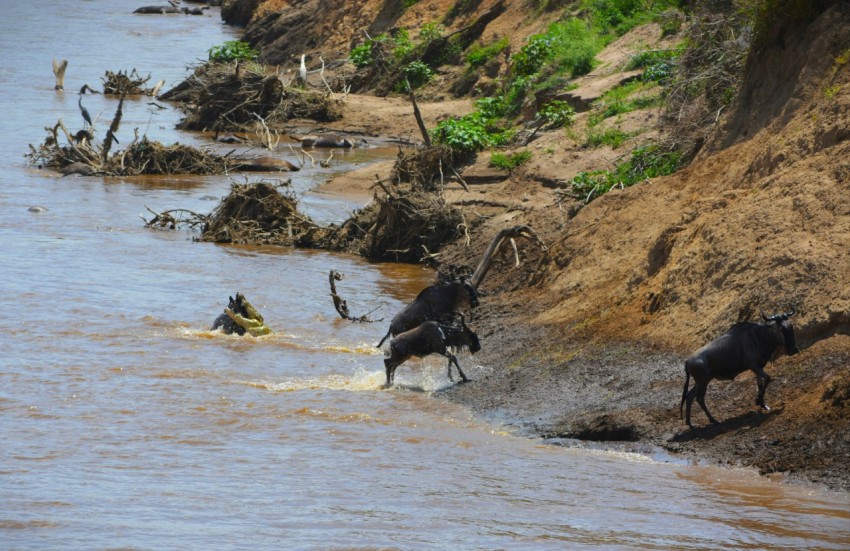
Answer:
(469, 134)
(620, 16)
(431, 31)
(531, 57)
(401, 45)
(557, 113)
(574, 46)
(510, 162)
(361, 55)
(232, 50)
(417, 74)
(569, 46)
(465, 135)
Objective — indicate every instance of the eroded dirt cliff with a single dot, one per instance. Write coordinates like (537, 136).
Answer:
(586, 340)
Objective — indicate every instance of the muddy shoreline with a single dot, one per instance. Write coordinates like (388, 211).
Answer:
(585, 341)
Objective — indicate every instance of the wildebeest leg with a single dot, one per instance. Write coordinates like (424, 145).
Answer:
(453, 360)
(690, 400)
(762, 379)
(701, 401)
(390, 364)
(685, 393)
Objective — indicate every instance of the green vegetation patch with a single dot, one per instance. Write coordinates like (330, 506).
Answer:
(479, 55)
(645, 162)
(232, 50)
(510, 162)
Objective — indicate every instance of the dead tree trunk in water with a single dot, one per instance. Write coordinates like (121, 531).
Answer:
(509, 234)
(341, 305)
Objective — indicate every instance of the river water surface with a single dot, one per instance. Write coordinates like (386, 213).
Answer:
(124, 423)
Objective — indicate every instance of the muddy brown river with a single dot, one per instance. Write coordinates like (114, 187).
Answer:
(125, 423)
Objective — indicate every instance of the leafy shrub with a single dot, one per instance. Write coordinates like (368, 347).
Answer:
(557, 113)
(431, 31)
(575, 45)
(465, 135)
(469, 134)
(401, 45)
(417, 74)
(361, 55)
(510, 162)
(569, 46)
(620, 16)
(232, 50)
(531, 57)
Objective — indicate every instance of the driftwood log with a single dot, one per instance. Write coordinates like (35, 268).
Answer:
(507, 234)
(341, 305)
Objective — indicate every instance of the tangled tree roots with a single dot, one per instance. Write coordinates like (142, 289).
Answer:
(151, 157)
(257, 214)
(81, 155)
(425, 168)
(122, 83)
(401, 227)
(231, 97)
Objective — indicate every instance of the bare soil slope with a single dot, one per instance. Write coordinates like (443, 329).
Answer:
(587, 339)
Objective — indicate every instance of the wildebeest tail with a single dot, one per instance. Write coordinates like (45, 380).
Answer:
(385, 338)
(685, 391)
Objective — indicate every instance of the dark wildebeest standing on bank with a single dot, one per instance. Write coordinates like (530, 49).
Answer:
(434, 303)
(745, 346)
(431, 338)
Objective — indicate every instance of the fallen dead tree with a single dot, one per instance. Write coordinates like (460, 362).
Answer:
(509, 235)
(81, 154)
(174, 218)
(232, 97)
(123, 83)
(398, 226)
(425, 167)
(340, 303)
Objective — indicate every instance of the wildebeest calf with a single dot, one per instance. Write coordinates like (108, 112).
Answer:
(431, 338)
(744, 346)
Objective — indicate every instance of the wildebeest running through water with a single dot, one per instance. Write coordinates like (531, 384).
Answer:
(431, 338)
(434, 303)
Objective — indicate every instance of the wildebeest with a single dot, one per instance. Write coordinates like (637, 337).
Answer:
(744, 346)
(434, 303)
(431, 338)
(228, 326)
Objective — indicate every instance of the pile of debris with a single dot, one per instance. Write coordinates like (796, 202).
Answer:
(128, 84)
(234, 97)
(80, 154)
(258, 213)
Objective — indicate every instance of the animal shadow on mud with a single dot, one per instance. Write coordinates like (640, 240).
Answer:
(746, 420)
